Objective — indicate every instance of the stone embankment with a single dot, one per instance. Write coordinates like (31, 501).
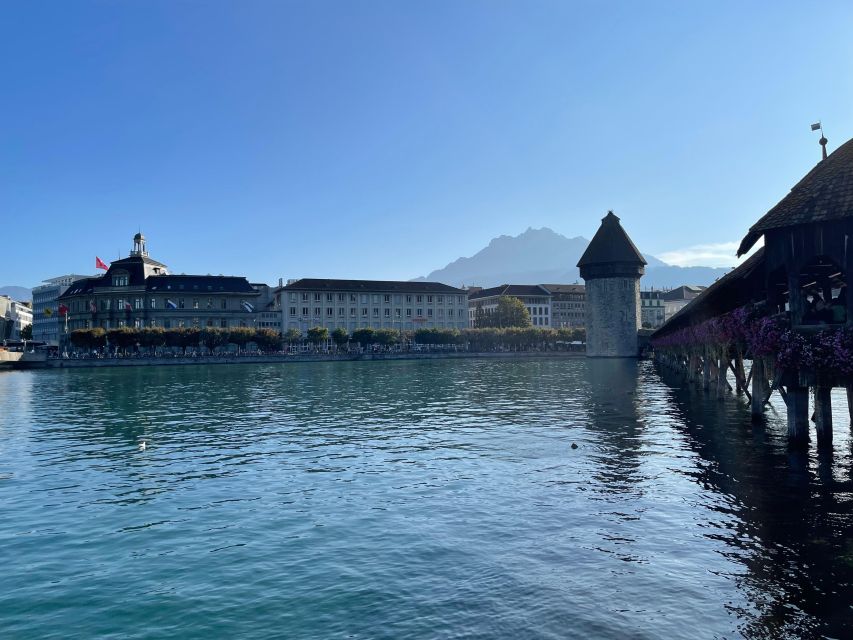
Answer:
(72, 363)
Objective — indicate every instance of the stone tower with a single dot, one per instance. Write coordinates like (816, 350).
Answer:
(612, 267)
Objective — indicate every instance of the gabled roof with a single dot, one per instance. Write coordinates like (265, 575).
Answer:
(511, 290)
(370, 286)
(684, 292)
(611, 244)
(825, 193)
(199, 284)
(565, 288)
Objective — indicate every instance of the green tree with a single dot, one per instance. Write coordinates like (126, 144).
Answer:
(340, 336)
(123, 337)
(267, 339)
(386, 337)
(152, 337)
(27, 332)
(292, 335)
(318, 335)
(240, 336)
(363, 337)
(510, 312)
(212, 337)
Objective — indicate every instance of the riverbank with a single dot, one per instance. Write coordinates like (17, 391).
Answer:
(71, 363)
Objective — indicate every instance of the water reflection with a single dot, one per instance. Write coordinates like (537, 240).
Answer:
(792, 517)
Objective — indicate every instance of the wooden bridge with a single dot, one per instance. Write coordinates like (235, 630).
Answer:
(782, 321)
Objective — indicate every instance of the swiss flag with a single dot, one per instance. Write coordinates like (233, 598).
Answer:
(63, 310)
(100, 264)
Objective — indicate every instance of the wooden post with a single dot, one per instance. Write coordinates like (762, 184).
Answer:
(823, 415)
(722, 380)
(706, 371)
(850, 404)
(797, 399)
(759, 387)
(740, 374)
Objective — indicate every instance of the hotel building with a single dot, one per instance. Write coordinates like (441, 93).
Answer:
(374, 304)
(535, 297)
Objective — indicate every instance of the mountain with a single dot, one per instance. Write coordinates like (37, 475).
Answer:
(21, 294)
(545, 256)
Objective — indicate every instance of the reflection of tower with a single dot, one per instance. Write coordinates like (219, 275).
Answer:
(139, 246)
(612, 267)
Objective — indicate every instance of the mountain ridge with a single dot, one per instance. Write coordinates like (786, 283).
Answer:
(542, 255)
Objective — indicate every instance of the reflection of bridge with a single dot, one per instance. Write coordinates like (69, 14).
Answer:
(785, 309)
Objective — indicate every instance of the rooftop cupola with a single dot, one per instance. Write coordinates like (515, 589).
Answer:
(139, 246)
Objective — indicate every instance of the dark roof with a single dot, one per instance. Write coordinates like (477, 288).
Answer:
(399, 286)
(565, 288)
(825, 193)
(611, 244)
(684, 292)
(171, 283)
(511, 290)
(199, 284)
(723, 295)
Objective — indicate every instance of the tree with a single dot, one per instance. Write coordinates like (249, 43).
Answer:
(27, 332)
(318, 335)
(340, 336)
(510, 312)
(152, 337)
(267, 339)
(386, 337)
(363, 337)
(212, 337)
(240, 336)
(122, 337)
(293, 335)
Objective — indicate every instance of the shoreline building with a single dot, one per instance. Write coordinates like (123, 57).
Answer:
(612, 267)
(568, 305)
(652, 309)
(48, 325)
(372, 304)
(139, 291)
(535, 297)
(14, 316)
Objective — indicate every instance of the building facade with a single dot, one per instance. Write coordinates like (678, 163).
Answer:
(652, 309)
(535, 297)
(612, 267)
(676, 299)
(372, 304)
(139, 291)
(14, 316)
(568, 305)
(48, 325)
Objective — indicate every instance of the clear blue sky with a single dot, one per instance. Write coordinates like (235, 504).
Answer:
(384, 139)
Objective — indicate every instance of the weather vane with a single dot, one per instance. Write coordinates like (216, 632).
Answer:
(817, 126)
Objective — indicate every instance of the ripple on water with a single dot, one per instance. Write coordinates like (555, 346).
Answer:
(412, 499)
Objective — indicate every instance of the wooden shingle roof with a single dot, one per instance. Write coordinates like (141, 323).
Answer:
(611, 244)
(825, 193)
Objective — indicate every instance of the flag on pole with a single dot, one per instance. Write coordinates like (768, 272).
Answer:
(248, 307)
(127, 307)
(92, 306)
(816, 126)
(171, 305)
(63, 310)
(100, 264)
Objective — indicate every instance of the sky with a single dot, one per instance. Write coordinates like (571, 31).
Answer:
(383, 140)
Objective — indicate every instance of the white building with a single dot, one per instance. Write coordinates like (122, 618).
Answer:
(535, 297)
(14, 316)
(676, 299)
(48, 325)
(652, 309)
(374, 304)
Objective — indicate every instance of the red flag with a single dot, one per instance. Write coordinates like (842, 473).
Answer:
(63, 310)
(100, 264)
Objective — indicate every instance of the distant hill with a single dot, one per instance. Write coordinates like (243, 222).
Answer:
(22, 294)
(545, 256)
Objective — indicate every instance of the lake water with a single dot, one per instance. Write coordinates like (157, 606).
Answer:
(413, 499)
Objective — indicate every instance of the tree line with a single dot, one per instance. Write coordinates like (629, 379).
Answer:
(152, 338)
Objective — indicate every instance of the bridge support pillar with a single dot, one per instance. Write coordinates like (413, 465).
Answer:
(850, 404)
(759, 387)
(798, 414)
(823, 415)
(722, 369)
(706, 371)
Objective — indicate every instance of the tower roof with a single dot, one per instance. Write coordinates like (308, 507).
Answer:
(611, 244)
(825, 193)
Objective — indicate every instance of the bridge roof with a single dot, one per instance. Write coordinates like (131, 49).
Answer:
(824, 193)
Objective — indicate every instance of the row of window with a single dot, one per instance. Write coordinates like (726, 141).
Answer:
(167, 323)
(386, 312)
(121, 304)
(366, 298)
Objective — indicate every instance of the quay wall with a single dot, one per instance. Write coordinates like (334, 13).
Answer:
(156, 362)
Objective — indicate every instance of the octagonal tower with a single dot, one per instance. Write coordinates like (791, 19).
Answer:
(612, 267)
